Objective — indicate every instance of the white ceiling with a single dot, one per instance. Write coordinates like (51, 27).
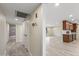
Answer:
(54, 15)
(9, 9)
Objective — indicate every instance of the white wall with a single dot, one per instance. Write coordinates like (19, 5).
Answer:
(36, 34)
(3, 34)
(52, 18)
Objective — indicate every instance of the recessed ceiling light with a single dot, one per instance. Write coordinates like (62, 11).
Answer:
(57, 4)
(16, 19)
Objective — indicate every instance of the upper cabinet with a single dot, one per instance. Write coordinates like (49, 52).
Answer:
(74, 27)
(66, 25)
(69, 26)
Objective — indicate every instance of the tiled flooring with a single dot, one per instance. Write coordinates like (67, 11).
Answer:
(16, 49)
(56, 47)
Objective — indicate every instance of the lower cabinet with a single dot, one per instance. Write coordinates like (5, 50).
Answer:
(69, 38)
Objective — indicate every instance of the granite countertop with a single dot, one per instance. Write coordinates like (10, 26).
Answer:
(68, 32)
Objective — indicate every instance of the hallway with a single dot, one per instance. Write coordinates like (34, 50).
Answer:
(21, 29)
(14, 48)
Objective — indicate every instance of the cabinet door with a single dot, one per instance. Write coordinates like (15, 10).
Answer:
(67, 25)
(74, 27)
(64, 25)
(66, 38)
(71, 26)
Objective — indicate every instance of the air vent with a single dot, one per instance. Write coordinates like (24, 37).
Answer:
(21, 14)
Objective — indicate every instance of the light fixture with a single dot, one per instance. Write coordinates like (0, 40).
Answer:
(71, 16)
(57, 4)
(16, 19)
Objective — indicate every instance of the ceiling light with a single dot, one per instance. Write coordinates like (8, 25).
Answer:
(71, 15)
(57, 4)
(16, 19)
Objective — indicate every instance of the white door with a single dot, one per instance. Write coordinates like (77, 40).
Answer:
(26, 34)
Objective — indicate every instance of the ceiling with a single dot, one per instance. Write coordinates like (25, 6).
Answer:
(56, 14)
(9, 10)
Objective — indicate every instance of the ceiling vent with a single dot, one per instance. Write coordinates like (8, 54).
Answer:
(21, 14)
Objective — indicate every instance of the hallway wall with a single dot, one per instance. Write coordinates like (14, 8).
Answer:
(36, 33)
(3, 34)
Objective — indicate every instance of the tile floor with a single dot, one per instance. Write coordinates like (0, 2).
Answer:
(16, 49)
(56, 47)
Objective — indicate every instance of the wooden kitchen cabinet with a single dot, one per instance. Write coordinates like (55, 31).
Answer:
(67, 38)
(64, 25)
(69, 27)
(74, 27)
